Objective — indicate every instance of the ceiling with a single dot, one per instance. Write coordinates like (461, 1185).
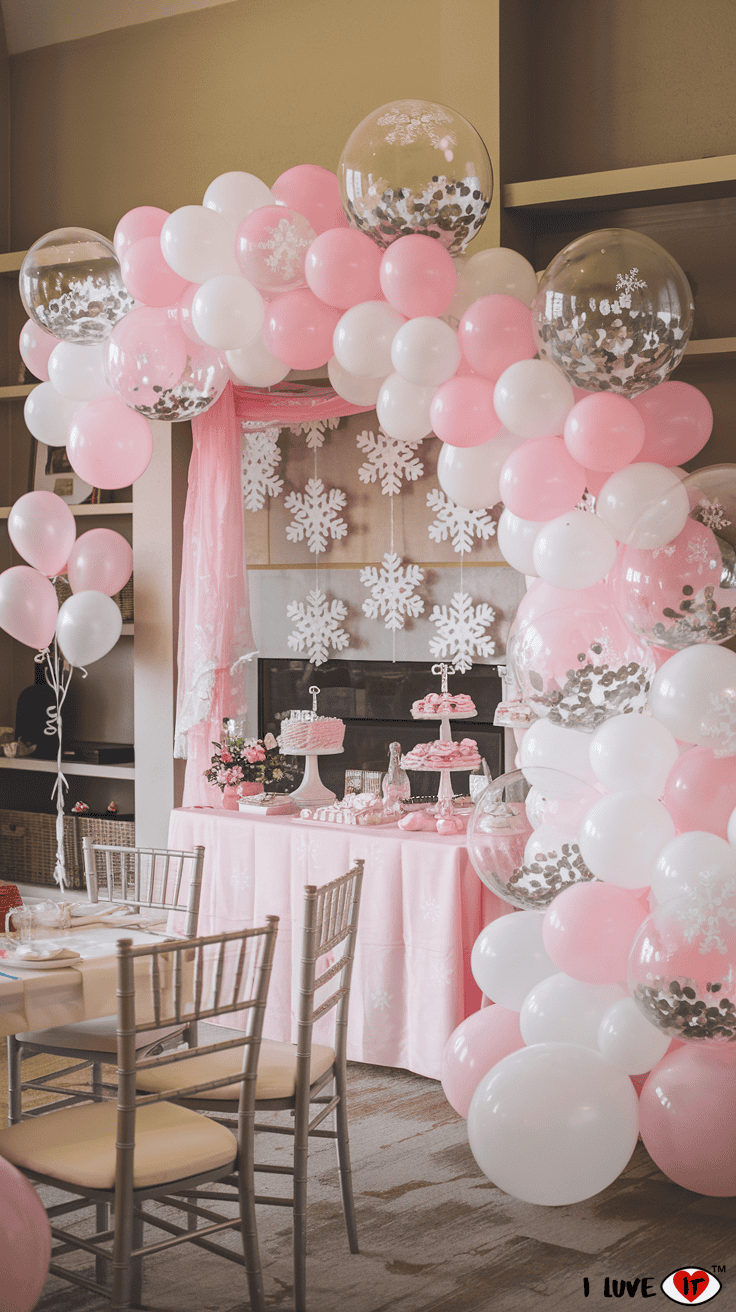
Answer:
(31, 24)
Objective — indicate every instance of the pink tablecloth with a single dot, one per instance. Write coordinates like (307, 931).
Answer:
(422, 908)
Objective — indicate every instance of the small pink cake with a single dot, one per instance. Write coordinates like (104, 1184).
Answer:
(320, 733)
(441, 755)
(443, 703)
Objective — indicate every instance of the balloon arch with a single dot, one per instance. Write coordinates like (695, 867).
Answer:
(615, 838)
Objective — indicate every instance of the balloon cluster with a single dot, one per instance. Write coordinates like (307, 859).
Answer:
(615, 838)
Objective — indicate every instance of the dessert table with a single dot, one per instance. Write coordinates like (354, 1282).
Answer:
(422, 909)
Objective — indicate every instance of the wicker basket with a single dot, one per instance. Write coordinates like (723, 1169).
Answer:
(124, 598)
(28, 845)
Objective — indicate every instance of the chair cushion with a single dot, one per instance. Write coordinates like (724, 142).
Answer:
(99, 1035)
(77, 1145)
(276, 1072)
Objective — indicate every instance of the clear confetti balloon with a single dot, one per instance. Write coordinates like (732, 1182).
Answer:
(614, 312)
(520, 860)
(71, 285)
(204, 379)
(416, 167)
(682, 965)
(685, 592)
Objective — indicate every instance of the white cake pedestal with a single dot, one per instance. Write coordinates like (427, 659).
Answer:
(311, 791)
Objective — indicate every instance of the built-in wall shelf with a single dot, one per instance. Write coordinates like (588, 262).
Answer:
(655, 184)
(108, 508)
(13, 390)
(68, 767)
(10, 261)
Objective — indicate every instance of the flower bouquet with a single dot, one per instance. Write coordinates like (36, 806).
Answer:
(249, 765)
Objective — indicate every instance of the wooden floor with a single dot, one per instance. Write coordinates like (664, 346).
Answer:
(437, 1236)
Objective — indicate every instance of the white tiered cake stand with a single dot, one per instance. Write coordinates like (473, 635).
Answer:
(444, 794)
(311, 791)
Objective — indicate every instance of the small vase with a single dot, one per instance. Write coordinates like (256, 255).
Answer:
(230, 797)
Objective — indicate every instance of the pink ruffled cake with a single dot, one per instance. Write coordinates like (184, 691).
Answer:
(321, 734)
(443, 703)
(441, 755)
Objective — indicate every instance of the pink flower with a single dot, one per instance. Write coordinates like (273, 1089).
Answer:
(225, 757)
(232, 776)
(255, 754)
(270, 742)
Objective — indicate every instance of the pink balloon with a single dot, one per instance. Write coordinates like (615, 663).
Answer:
(146, 354)
(147, 275)
(604, 432)
(100, 561)
(143, 221)
(700, 792)
(25, 1241)
(42, 529)
(312, 191)
(495, 332)
(28, 606)
(109, 445)
(35, 347)
(342, 267)
(473, 1048)
(181, 313)
(298, 329)
(688, 1121)
(588, 930)
(462, 412)
(678, 421)
(418, 276)
(540, 480)
(542, 597)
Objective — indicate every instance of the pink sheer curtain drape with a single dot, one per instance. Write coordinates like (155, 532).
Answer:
(215, 631)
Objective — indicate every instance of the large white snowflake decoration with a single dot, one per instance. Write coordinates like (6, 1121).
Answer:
(317, 626)
(259, 459)
(316, 517)
(460, 525)
(392, 590)
(389, 459)
(461, 631)
(315, 431)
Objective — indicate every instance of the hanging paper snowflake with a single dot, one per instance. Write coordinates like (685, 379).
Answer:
(392, 588)
(460, 525)
(315, 515)
(461, 631)
(315, 432)
(390, 459)
(259, 458)
(317, 626)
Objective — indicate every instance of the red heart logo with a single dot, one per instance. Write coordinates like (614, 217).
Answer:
(691, 1284)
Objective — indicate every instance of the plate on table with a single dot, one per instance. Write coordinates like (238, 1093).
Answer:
(65, 958)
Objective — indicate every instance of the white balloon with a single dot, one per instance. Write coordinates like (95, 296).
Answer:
(516, 538)
(509, 958)
(227, 312)
(426, 351)
(622, 836)
(358, 391)
(532, 398)
(564, 1010)
(643, 505)
(88, 627)
(469, 474)
(628, 1041)
(694, 694)
(574, 550)
(234, 195)
(48, 414)
(78, 372)
(561, 752)
(254, 365)
(553, 1124)
(499, 270)
(683, 864)
(363, 337)
(633, 752)
(403, 409)
(198, 243)
(731, 830)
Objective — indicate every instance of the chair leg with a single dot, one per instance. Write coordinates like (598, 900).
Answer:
(136, 1266)
(301, 1148)
(102, 1223)
(343, 1161)
(15, 1094)
(248, 1223)
(96, 1081)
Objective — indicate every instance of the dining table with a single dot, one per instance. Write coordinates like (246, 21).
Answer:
(422, 909)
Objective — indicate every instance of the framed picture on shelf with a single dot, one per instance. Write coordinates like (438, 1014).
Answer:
(51, 472)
